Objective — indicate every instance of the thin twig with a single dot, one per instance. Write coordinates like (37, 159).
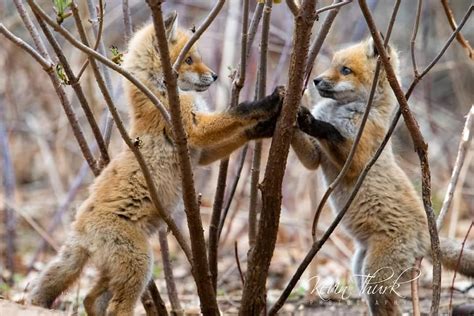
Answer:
(462, 149)
(257, 152)
(457, 266)
(127, 20)
(253, 297)
(293, 6)
(217, 220)
(168, 270)
(45, 63)
(413, 38)
(333, 6)
(233, 188)
(74, 82)
(66, 104)
(156, 297)
(200, 264)
(318, 42)
(97, 40)
(415, 299)
(196, 35)
(101, 58)
(237, 261)
(452, 22)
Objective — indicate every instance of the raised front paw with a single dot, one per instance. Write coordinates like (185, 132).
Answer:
(304, 117)
(264, 129)
(261, 109)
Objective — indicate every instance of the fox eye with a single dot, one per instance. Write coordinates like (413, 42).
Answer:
(346, 70)
(188, 60)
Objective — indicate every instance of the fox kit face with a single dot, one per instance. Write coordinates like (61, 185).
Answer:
(193, 73)
(350, 76)
(143, 58)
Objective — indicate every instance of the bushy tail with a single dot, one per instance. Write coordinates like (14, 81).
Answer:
(450, 251)
(58, 275)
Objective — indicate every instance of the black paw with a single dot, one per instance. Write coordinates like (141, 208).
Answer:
(307, 123)
(264, 129)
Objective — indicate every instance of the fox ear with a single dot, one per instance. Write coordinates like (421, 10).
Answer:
(171, 26)
(372, 51)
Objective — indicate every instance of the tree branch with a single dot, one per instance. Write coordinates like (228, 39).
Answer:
(452, 22)
(198, 246)
(420, 148)
(253, 298)
(199, 31)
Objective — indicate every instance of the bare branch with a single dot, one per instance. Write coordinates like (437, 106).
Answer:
(415, 299)
(462, 149)
(45, 63)
(127, 20)
(200, 30)
(413, 38)
(97, 40)
(168, 270)
(253, 298)
(101, 58)
(74, 82)
(257, 152)
(217, 220)
(198, 246)
(452, 22)
(457, 266)
(293, 6)
(237, 260)
(318, 42)
(333, 6)
(420, 148)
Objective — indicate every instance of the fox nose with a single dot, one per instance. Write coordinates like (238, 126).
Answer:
(214, 76)
(317, 80)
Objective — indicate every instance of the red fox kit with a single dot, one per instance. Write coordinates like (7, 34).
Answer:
(113, 224)
(387, 218)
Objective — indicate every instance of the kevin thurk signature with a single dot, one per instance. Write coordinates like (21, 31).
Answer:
(369, 284)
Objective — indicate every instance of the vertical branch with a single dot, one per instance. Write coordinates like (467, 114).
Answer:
(168, 270)
(9, 218)
(198, 246)
(253, 298)
(257, 152)
(413, 38)
(466, 137)
(127, 20)
(215, 227)
(71, 116)
(421, 149)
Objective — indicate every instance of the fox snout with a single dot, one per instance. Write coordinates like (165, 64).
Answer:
(324, 86)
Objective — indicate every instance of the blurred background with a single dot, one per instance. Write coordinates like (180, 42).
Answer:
(45, 178)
